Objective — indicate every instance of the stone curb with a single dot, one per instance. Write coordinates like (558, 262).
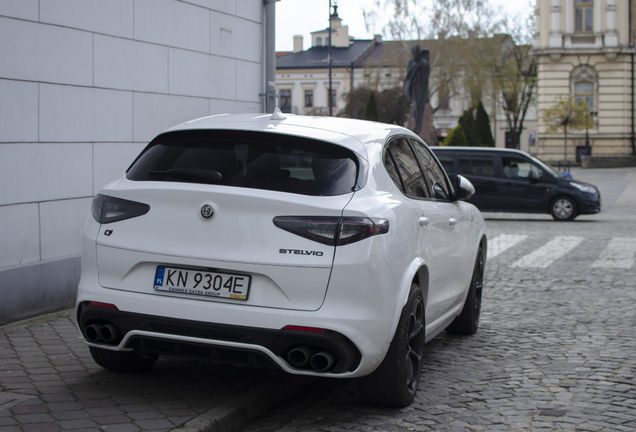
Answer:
(36, 320)
(245, 407)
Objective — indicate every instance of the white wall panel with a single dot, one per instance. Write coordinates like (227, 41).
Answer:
(247, 87)
(18, 111)
(233, 107)
(20, 234)
(235, 37)
(173, 23)
(40, 172)
(250, 9)
(225, 6)
(113, 17)
(201, 75)
(75, 114)
(130, 65)
(155, 113)
(61, 227)
(36, 52)
(24, 9)
(111, 160)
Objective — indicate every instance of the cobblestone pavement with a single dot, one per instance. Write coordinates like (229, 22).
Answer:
(556, 348)
(49, 382)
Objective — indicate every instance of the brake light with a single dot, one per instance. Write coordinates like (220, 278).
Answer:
(332, 231)
(107, 209)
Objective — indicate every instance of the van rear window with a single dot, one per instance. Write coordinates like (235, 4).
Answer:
(248, 159)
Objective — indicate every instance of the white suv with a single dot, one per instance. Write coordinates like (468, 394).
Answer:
(319, 246)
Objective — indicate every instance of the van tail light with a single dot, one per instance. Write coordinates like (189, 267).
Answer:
(108, 209)
(332, 231)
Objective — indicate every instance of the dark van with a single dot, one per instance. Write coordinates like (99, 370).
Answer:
(509, 180)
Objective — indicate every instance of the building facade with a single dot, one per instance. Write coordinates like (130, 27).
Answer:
(585, 49)
(302, 80)
(84, 85)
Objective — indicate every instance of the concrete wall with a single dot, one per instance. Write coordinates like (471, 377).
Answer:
(84, 85)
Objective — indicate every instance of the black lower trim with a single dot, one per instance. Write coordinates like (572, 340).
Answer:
(279, 342)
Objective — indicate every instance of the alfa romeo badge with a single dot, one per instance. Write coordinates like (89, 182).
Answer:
(207, 211)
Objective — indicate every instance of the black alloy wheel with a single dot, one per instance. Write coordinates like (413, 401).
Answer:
(395, 382)
(467, 322)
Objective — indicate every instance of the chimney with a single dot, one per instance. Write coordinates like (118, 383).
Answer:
(298, 43)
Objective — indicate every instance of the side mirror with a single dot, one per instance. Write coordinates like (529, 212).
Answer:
(464, 189)
(532, 176)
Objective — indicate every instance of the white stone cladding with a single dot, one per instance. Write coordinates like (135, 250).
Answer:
(85, 84)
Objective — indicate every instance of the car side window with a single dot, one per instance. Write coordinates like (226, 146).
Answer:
(411, 181)
(477, 165)
(433, 172)
(520, 169)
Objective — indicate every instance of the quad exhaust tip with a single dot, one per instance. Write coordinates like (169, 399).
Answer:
(302, 356)
(102, 333)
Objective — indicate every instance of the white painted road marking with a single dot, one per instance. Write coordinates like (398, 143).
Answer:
(502, 243)
(619, 253)
(550, 252)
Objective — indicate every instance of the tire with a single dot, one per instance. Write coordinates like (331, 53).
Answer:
(123, 361)
(394, 383)
(467, 322)
(563, 209)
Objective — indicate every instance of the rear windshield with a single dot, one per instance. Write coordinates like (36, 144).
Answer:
(250, 160)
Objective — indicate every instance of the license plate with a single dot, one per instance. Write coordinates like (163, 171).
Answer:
(203, 283)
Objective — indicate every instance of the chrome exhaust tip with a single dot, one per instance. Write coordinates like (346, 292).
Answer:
(299, 356)
(322, 361)
(92, 332)
(109, 333)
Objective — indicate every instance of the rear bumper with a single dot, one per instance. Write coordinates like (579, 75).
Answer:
(218, 342)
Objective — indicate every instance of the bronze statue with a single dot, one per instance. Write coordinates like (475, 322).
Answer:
(416, 83)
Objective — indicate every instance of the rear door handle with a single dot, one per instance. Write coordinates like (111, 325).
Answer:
(452, 221)
(424, 221)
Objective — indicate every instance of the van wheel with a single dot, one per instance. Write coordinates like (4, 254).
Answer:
(394, 383)
(563, 209)
(122, 361)
(468, 320)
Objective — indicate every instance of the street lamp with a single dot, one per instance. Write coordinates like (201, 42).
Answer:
(330, 102)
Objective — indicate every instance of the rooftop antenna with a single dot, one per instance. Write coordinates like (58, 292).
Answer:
(277, 115)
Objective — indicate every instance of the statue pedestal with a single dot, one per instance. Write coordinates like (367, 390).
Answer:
(427, 133)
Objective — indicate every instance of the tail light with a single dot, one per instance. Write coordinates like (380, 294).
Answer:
(107, 209)
(332, 231)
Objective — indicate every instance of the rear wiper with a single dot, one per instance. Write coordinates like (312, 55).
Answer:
(210, 175)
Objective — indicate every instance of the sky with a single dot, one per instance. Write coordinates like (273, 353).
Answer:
(301, 17)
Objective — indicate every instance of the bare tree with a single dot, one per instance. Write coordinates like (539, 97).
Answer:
(516, 73)
(459, 34)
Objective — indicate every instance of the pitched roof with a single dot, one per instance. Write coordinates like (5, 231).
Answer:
(316, 57)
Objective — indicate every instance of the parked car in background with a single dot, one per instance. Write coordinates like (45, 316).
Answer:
(319, 246)
(509, 180)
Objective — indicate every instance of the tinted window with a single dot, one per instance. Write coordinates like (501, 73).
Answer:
(248, 159)
(447, 162)
(477, 165)
(410, 177)
(519, 169)
(433, 172)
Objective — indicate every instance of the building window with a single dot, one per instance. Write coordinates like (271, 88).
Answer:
(333, 98)
(284, 101)
(584, 91)
(583, 16)
(318, 41)
(309, 98)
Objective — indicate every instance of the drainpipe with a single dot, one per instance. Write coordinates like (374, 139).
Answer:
(270, 55)
(631, 44)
